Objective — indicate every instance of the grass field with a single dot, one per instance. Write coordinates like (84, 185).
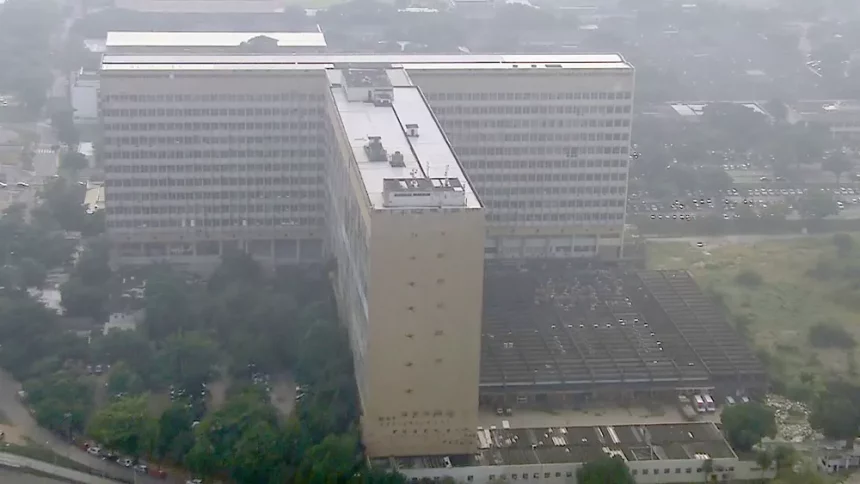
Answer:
(778, 312)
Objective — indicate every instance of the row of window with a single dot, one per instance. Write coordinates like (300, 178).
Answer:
(138, 154)
(544, 164)
(534, 123)
(568, 151)
(480, 136)
(548, 475)
(547, 177)
(135, 196)
(527, 96)
(548, 192)
(508, 110)
(285, 165)
(555, 217)
(211, 112)
(207, 126)
(141, 223)
(554, 203)
(170, 98)
(207, 182)
(207, 209)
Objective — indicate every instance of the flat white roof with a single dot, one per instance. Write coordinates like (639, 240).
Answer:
(120, 62)
(210, 39)
(202, 6)
(428, 154)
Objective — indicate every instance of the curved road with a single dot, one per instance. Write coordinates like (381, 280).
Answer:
(20, 417)
(9, 476)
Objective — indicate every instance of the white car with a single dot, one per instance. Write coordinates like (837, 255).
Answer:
(3, 185)
(94, 450)
(22, 185)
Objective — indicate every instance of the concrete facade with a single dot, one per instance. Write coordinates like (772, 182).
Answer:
(543, 138)
(409, 272)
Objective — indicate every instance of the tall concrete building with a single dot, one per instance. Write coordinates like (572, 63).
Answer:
(407, 231)
(407, 171)
(205, 152)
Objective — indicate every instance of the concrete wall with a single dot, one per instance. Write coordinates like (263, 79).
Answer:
(426, 286)
(731, 469)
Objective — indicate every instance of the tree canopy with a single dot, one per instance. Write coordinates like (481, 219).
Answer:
(605, 470)
(746, 424)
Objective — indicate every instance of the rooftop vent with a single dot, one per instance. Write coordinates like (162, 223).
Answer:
(412, 130)
(397, 160)
(374, 149)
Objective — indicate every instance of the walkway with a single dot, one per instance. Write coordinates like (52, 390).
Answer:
(17, 462)
(20, 417)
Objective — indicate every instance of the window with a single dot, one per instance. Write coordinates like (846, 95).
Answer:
(689, 470)
(677, 470)
(644, 472)
(635, 472)
(546, 475)
(568, 474)
(537, 476)
(470, 478)
(492, 477)
(667, 470)
(515, 476)
(558, 474)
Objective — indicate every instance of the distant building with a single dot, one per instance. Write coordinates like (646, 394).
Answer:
(840, 117)
(655, 454)
(84, 95)
(202, 6)
(215, 42)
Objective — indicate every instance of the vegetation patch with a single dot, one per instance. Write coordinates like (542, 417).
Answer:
(806, 290)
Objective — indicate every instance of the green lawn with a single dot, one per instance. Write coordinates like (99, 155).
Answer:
(781, 309)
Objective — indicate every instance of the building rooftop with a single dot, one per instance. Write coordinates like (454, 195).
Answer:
(837, 107)
(398, 146)
(559, 445)
(202, 6)
(120, 62)
(566, 326)
(210, 39)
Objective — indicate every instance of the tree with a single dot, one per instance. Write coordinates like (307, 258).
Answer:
(125, 426)
(708, 468)
(844, 244)
(80, 299)
(605, 470)
(74, 161)
(241, 439)
(764, 460)
(837, 163)
(746, 424)
(188, 359)
(122, 380)
(33, 272)
(778, 109)
(168, 305)
(61, 401)
(175, 435)
(835, 416)
(64, 125)
(817, 205)
(828, 334)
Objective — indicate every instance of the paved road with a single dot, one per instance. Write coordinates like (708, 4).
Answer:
(10, 476)
(20, 417)
(14, 461)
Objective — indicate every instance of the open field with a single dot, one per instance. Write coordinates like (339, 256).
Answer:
(778, 312)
